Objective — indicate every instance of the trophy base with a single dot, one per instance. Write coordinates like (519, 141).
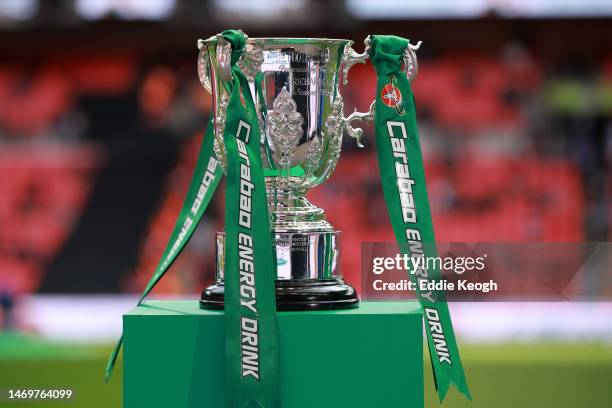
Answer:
(291, 295)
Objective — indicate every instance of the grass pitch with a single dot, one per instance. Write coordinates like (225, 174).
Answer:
(510, 375)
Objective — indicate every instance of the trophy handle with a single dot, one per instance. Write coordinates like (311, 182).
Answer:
(223, 57)
(214, 67)
(351, 57)
(204, 66)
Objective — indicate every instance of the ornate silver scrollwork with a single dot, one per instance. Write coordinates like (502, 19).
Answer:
(218, 145)
(204, 66)
(332, 132)
(357, 133)
(313, 156)
(249, 63)
(284, 126)
(334, 127)
(351, 57)
(251, 60)
(224, 58)
(411, 64)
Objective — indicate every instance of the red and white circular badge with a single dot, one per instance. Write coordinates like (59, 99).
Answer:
(391, 96)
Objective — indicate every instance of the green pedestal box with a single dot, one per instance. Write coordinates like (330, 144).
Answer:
(371, 356)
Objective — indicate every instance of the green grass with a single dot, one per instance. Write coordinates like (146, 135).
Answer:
(540, 375)
(27, 362)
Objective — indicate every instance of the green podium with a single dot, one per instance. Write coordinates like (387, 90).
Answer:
(371, 356)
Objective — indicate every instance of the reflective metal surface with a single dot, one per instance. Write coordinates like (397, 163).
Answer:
(294, 84)
(301, 118)
(299, 256)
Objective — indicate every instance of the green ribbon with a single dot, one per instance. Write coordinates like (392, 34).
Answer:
(250, 305)
(403, 181)
(251, 347)
(204, 182)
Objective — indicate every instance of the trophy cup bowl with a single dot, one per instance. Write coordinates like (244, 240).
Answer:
(294, 84)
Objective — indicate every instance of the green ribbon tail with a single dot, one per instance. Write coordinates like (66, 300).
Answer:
(403, 182)
(206, 178)
(251, 348)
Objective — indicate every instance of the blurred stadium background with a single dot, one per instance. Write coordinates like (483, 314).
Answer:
(101, 116)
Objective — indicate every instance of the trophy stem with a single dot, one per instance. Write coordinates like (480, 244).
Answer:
(290, 211)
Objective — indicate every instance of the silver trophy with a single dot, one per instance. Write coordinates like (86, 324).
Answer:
(294, 83)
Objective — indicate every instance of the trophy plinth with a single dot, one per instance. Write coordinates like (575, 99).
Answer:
(332, 294)
(294, 84)
(343, 350)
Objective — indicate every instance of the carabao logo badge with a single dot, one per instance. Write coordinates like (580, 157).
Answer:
(391, 96)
